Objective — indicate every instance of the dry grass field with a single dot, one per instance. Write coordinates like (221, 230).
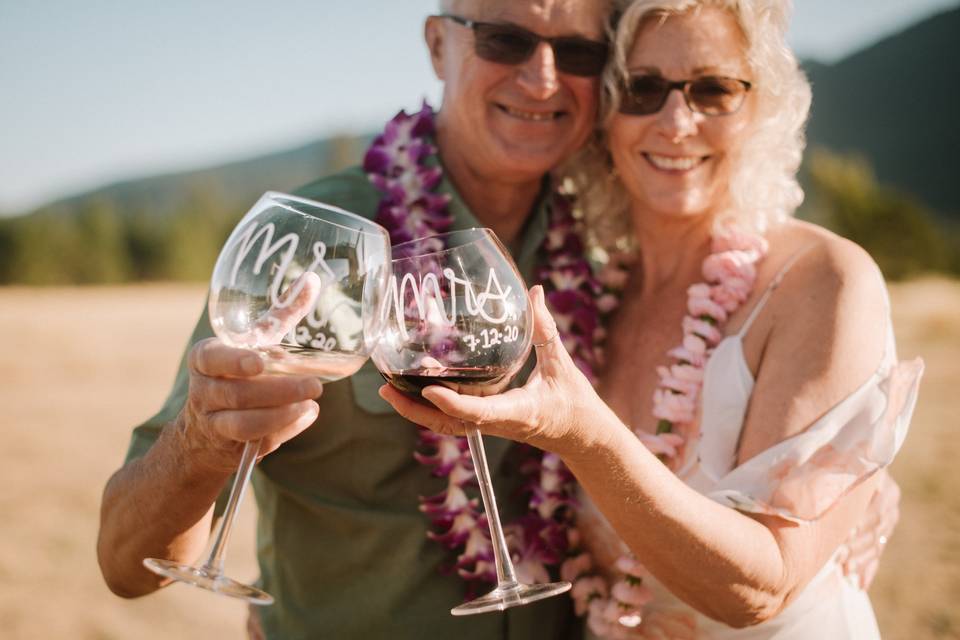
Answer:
(79, 367)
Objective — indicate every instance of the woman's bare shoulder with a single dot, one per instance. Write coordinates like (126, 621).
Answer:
(824, 335)
(827, 265)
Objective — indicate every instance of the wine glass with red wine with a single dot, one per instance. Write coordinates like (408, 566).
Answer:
(456, 313)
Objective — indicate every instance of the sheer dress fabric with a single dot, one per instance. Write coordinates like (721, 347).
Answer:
(798, 479)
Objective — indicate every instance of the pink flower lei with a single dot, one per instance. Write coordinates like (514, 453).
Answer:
(546, 535)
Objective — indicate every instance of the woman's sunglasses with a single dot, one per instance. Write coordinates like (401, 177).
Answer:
(509, 44)
(711, 95)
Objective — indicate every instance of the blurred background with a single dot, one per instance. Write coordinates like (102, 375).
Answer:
(133, 136)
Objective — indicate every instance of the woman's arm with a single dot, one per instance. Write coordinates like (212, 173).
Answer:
(824, 337)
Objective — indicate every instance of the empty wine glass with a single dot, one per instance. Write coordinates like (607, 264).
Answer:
(456, 313)
(301, 283)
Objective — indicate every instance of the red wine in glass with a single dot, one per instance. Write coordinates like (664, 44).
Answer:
(468, 380)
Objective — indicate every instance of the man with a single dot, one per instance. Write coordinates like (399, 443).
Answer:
(342, 546)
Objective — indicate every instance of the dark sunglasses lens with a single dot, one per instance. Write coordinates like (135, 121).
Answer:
(579, 56)
(715, 96)
(503, 44)
(644, 95)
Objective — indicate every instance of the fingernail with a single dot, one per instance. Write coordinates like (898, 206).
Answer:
(250, 364)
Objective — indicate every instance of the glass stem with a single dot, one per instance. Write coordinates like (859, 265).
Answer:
(506, 576)
(240, 481)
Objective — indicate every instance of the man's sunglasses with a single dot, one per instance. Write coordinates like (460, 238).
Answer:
(509, 44)
(711, 95)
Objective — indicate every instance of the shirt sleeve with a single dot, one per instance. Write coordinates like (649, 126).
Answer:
(147, 433)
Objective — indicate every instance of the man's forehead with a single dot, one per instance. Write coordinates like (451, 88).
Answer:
(548, 17)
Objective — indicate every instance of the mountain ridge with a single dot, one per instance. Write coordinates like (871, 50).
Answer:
(892, 102)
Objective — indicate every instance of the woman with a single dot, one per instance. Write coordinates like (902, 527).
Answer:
(751, 397)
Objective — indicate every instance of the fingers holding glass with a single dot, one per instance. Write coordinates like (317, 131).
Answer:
(296, 291)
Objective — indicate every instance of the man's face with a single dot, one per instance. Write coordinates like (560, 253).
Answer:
(515, 122)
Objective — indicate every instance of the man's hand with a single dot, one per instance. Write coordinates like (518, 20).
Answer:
(862, 550)
(231, 402)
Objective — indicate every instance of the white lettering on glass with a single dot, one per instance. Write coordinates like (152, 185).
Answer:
(426, 295)
(286, 246)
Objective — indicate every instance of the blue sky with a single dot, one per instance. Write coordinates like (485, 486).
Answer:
(101, 90)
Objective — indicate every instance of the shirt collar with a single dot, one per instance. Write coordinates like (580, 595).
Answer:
(532, 233)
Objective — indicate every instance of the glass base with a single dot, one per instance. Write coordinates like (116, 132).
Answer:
(504, 598)
(209, 579)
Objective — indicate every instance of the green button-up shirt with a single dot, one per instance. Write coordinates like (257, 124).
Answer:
(340, 541)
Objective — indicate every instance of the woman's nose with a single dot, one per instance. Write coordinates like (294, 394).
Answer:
(675, 118)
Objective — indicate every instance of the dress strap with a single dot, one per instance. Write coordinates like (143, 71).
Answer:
(777, 279)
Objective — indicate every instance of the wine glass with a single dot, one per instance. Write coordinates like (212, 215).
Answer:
(456, 313)
(301, 283)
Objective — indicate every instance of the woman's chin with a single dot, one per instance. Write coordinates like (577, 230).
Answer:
(678, 208)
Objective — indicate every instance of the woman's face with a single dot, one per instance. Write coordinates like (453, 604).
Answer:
(676, 161)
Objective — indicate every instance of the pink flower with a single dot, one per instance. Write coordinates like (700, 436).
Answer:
(698, 291)
(607, 303)
(687, 372)
(683, 355)
(721, 267)
(668, 381)
(703, 329)
(587, 589)
(635, 595)
(562, 280)
(698, 307)
(732, 293)
(573, 568)
(630, 565)
(596, 621)
(695, 344)
(531, 571)
(611, 612)
(665, 444)
(673, 407)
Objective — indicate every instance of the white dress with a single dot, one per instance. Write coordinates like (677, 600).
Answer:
(797, 479)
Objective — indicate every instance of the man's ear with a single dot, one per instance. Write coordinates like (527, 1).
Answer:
(433, 35)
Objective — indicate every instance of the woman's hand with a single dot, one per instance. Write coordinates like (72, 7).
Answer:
(551, 411)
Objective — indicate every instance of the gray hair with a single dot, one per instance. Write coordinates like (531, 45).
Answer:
(763, 189)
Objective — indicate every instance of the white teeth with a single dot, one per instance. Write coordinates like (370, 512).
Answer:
(530, 115)
(674, 164)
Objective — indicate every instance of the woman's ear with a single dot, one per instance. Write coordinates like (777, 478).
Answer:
(433, 35)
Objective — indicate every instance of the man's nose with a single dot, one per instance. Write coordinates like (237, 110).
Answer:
(539, 75)
(675, 119)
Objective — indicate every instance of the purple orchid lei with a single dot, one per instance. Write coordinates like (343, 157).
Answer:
(546, 536)
(543, 536)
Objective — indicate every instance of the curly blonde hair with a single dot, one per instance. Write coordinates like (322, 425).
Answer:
(763, 188)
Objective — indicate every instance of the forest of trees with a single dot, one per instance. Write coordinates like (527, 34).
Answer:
(96, 240)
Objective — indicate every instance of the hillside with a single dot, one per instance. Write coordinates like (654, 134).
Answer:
(896, 104)
(235, 185)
